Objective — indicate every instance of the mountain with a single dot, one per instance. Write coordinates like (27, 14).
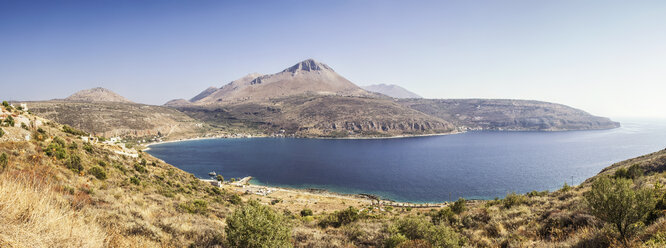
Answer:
(308, 76)
(98, 94)
(509, 115)
(178, 102)
(391, 90)
(203, 94)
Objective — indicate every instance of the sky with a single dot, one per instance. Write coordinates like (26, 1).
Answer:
(605, 57)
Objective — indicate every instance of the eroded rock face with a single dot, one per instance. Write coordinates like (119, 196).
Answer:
(386, 126)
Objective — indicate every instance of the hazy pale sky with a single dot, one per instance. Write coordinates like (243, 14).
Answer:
(605, 57)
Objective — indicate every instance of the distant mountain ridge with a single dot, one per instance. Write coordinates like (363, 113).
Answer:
(391, 90)
(98, 94)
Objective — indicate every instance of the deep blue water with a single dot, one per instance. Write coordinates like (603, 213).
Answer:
(474, 165)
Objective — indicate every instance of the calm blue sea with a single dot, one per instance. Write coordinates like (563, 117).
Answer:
(474, 165)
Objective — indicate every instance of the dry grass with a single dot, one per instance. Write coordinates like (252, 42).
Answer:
(33, 215)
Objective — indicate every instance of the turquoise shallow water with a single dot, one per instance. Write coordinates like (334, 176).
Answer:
(474, 165)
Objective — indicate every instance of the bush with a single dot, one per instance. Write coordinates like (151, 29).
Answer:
(56, 149)
(417, 228)
(459, 206)
(88, 147)
(140, 168)
(633, 172)
(565, 188)
(395, 240)
(2, 133)
(255, 225)
(24, 126)
(4, 160)
(98, 172)
(220, 178)
(340, 218)
(306, 212)
(73, 146)
(235, 199)
(513, 199)
(616, 202)
(73, 131)
(535, 193)
(135, 180)
(194, 207)
(9, 121)
(74, 163)
(5, 103)
(443, 215)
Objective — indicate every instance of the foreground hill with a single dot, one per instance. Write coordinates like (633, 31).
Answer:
(513, 115)
(110, 119)
(57, 191)
(391, 90)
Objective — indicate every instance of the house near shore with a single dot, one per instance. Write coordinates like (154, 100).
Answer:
(89, 139)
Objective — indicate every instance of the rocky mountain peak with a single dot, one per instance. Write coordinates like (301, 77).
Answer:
(308, 65)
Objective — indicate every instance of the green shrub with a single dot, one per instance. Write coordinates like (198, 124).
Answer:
(101, 163)
(633, 172)
(9, 121)
(5, 104)
(74, 163)
(2, 133)
(255, 225)
(135, 180)
(194, 207)
(616, 202)
(235, 199)
(144, 162)
(88, 147)
(459, 206)
(442, 216)
(4, 160)
(340, 218)
(513, 199)
(140, 168)
(220, 178)
(73, 131)
(306, 212)
(565, 188)
(98, 172)
(418, 228)
(535, 193)
(395, 240)
(24, 126)
(73, 146)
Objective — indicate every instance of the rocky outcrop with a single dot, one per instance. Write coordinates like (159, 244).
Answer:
(97, 95)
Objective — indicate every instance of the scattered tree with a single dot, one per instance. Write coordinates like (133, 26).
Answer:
(459, 206)
(616, 202)
(633, 172)
(256, 225)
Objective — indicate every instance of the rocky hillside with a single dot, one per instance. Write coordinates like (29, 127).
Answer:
(391, 90)
(324, 116)
(509, 115)
(111, 119)
(97, 95)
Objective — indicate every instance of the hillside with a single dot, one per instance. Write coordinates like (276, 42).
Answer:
(110, 119)
(323, 116)
(509, 115)
(97, 95)
(56, 190)
(391, 90)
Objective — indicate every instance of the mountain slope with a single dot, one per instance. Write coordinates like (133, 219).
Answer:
(203, 94)
(391, 90)
(307, 76)
(97, 95)
(512, 115)
(111, 119)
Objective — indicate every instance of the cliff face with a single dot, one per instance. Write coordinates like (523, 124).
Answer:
(510, 115)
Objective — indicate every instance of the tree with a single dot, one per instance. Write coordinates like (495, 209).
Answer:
(5, 103)
(9, 121)
(616, 202)
(256, 225)
(459, 206)
(220, 178)
(306, 212)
